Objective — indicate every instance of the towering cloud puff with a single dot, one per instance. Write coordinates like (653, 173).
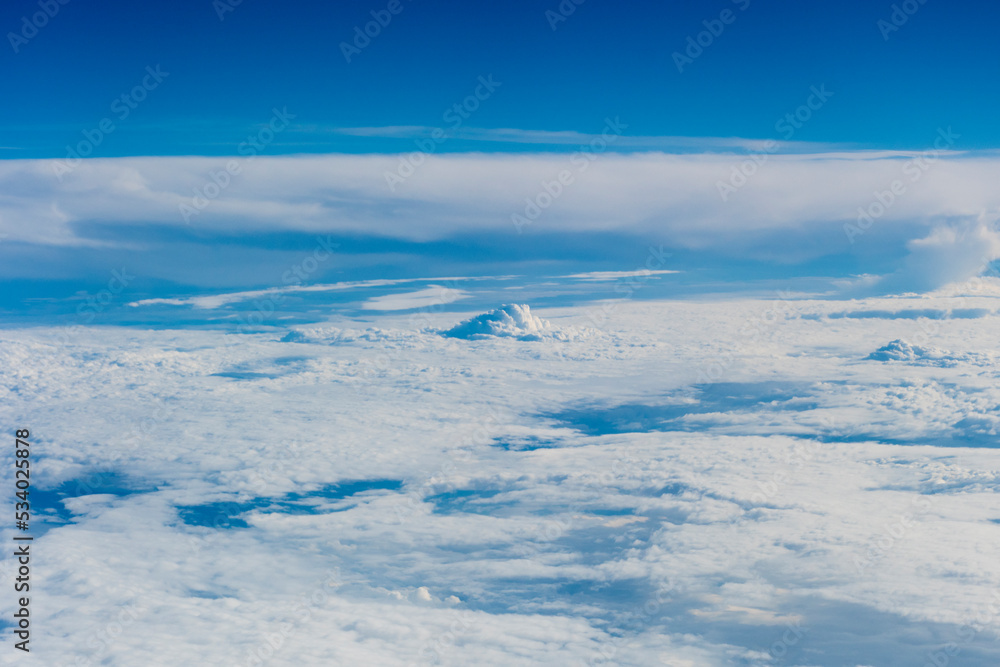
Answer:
(508, 321)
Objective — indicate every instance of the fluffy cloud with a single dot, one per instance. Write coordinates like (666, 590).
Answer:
(699, 483)
(948, 254)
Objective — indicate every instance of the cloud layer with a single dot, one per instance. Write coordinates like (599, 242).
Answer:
(858, 210)
(713, 484)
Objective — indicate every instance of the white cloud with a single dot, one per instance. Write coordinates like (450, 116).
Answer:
(674, 195)
(431, 296)
(795, 208)
(509, 321)
(572, 138)
(217, 300)
(434, 295)
(948, 254)
(605, 276)
(816, 501)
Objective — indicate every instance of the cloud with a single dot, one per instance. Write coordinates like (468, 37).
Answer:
(509, 321)
(674, 194)
(219, 300)
(792, 512)
(550, 138)
(948, 254)
(433, 295)
(607, 276)
(792, 209)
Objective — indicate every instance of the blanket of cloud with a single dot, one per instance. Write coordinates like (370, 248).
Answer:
(727, 481)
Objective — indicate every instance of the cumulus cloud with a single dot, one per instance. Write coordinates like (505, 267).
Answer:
(509, 321)
(948, 254)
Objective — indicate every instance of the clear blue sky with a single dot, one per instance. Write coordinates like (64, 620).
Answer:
(607, 59)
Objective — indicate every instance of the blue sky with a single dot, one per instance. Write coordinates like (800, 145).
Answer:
(605, 59)
(756, 231)
(747, 139)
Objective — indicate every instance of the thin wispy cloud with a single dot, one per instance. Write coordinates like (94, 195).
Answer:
(573, 138)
